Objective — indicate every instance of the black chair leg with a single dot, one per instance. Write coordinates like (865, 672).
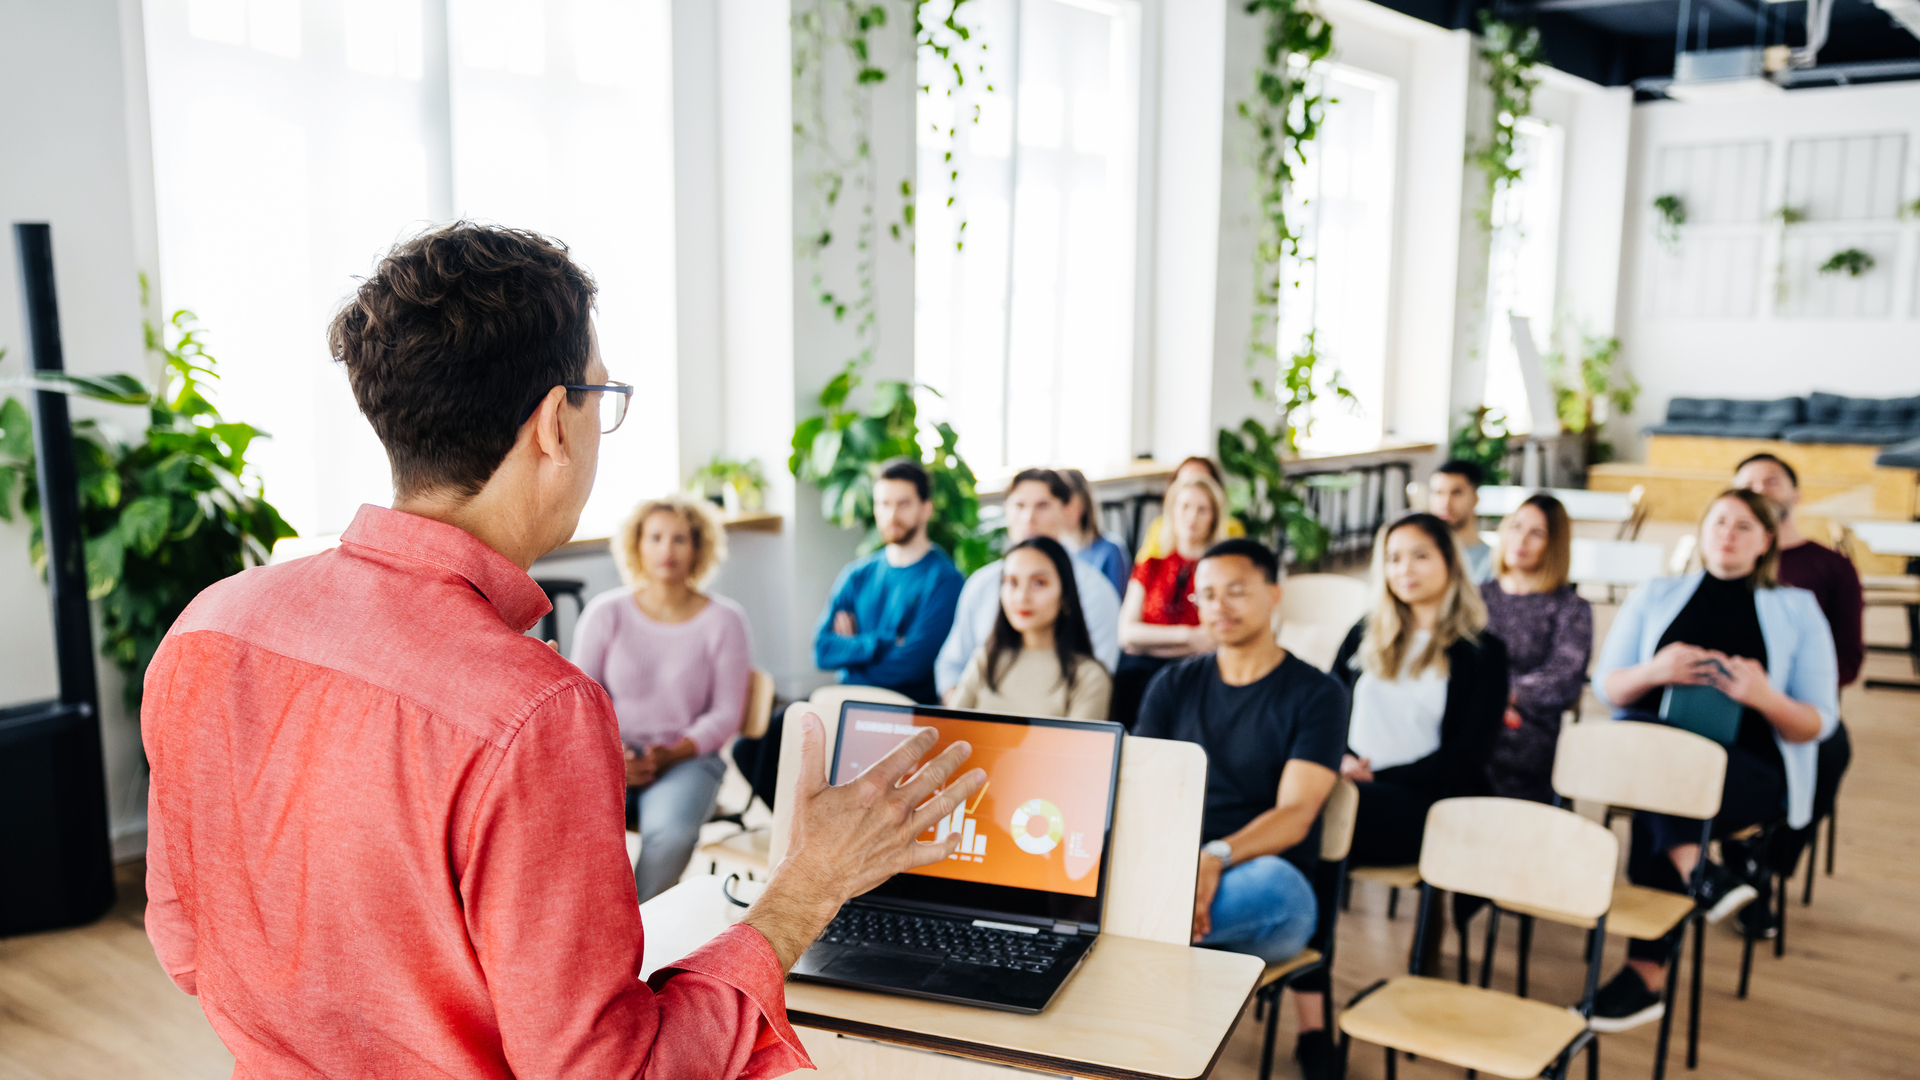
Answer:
(1273, 1024)
(1393, 903)
(1833, 833)
(1593, 1059)
(1780, 929)
(1392, 1064)
(1693, 992)
(1746, 965)
(1493, 936)
(1813, 863)
(1665, 1039)
(1526, 952)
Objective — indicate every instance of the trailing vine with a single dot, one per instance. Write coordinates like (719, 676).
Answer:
(1511, 52)
(952, 41)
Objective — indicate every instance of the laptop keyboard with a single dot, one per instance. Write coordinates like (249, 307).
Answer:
(949, 939)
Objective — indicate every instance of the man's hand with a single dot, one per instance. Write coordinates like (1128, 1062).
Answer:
(1204, 887)
(850, 837)
(844, 624)
(1357, 769)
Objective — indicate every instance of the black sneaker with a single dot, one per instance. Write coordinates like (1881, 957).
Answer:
(1316, 1055)
(1758, 919)
(1722, 894)
(1625, 1003)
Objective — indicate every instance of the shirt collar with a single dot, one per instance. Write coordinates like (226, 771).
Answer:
(519, 600)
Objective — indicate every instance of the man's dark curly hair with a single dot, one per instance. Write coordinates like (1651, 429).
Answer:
(457, 332)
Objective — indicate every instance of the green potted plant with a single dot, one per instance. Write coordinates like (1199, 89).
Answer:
(1482, 439)
(1673, 214)
(1586, 396)
(1852, 262)
(164, 516)
(740, 486)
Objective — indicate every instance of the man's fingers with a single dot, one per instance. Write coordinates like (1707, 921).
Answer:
(813, 756)
(943, 803)
(888, 770)
(925, 852)
(931, 776)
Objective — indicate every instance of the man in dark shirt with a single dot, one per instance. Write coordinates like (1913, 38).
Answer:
(1269, 722)
(1835, 585)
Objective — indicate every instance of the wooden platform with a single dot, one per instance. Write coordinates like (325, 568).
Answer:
(1843, 1002)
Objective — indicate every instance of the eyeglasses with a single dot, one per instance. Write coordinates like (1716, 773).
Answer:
(613, 404)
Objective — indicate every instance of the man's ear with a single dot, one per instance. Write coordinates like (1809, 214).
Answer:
(549, 434)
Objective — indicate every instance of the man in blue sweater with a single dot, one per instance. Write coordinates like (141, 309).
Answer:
(891, 610)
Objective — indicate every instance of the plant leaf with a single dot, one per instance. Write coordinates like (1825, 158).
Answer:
(16, 430)
(106, 559)
(144, 523)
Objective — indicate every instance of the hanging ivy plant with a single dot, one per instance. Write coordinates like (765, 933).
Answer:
(1511, 52)
(1788, 217)
(1853, 262)
(1673, 214)
(953, 43)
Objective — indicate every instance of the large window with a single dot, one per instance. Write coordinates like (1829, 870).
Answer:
(295, 140)
(1520, 277)
(1338, 288)
(1027, 332)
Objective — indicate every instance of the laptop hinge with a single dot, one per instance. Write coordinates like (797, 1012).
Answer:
(1066, 929)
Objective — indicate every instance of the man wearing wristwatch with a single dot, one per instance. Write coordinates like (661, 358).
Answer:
(1269, 722)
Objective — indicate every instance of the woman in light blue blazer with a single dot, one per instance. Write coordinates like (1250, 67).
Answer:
(1734, 628)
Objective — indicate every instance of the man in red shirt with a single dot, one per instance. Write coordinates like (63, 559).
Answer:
(385, 826)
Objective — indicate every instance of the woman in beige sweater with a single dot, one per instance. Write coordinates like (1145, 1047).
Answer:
(1039, 661)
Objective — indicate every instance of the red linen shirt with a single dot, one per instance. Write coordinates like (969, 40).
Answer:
(384, 835)
(1166, 582)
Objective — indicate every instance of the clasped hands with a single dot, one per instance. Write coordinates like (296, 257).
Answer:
(1743, 680)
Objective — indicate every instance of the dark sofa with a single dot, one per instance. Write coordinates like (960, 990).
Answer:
(1816, 418)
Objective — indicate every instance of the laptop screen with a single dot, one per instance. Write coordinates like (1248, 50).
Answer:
(1033, 841)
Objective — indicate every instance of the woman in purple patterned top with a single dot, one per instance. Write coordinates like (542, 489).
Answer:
(1548, 631)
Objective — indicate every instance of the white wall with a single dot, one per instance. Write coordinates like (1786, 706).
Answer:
(1765, 354)
(73, 135)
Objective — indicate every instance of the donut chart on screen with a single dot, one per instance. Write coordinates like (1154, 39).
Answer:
(1037, 827)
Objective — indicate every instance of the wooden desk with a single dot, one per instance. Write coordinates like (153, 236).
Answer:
(1499, 500)
(1136, 1009)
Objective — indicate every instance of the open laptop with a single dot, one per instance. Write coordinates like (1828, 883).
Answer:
(1004, 921)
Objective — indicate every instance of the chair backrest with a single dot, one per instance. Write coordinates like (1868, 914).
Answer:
(1683, 549)
(753, 723)
(1156, 832)
(828, 699)
(1653, 767)
(1316, 611)
(1336, 820)
(1518, 852)
(1639, 506)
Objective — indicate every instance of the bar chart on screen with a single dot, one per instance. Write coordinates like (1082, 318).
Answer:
(973, 843)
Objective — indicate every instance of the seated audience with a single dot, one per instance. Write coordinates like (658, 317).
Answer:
(1429, 689)
(1453, 496)
(1036, 505)
(676, 662)
(1548, 632)
(1039, 661)
(1269, 722)
(1734, 628)
(891, 610)
(1158, 622)
(1153, 542)
(1835, 585)
(1083, 537)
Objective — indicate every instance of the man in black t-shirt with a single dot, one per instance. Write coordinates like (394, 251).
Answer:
(1269, 722)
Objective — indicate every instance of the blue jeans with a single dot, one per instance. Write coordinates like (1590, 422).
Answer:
(672, 809)
(1265, 908)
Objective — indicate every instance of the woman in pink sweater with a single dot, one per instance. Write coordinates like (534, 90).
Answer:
(676, 662)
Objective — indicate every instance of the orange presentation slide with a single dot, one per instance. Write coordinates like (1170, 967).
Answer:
(1042, 817)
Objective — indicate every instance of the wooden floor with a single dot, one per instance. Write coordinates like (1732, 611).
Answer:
(1844, 1002)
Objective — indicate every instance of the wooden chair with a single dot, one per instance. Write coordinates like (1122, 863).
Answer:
(1336, 839)
(1315, 614)
(1513, 853)
(1657, 769)
(1638, 507)
(1683, 551)
(750, 848)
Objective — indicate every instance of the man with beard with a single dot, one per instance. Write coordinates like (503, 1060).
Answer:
(891, 610)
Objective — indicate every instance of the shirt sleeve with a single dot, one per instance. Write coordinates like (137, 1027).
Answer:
(1622, 647)
(1092, 697)
(1813, 675)
(911, 655)
(592, 637)
(552, 915)
(962, 639)
(1102, 609)
(1845, 605)
(1160, 705)
(966, 693)
(1556, 683)
(1320, 728)
(732, 660)
(831, 651)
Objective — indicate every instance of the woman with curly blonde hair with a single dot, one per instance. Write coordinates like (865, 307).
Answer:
(676, 662)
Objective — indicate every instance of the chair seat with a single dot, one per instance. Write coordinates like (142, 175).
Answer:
(1637, 912)
(748, 848)
(1276, 972)
(1400, 877)
(1464, 1026)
